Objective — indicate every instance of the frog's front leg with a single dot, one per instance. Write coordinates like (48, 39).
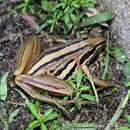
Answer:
(100, 82)
(87, 72)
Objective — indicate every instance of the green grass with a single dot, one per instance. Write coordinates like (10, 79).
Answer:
(3, 87)
(81, 91)
(39, 119)
(66, 15)
(122, 58)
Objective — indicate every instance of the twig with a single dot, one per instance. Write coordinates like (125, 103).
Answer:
(16, 103)
(119, 111)
(69, 102)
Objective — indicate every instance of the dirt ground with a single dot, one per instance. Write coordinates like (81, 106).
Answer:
(11, 27)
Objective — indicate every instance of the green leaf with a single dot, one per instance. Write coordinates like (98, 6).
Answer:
(99, 18)
(75, 4)
(127, 84)
(43, 127)
(49, 21)
(24, 10)
(6, 126)
(20, 6)
(87, 3)
(124, 128)
(120, 55)
(55, 125)
(79, 126)
(75, 19)
(34, 108)
(126, 69)
(84, 88)
(51, 116)
(33, 125)
(40, 28)
(26, 1)
(85, 78)
(71, 84)
(13, 115)
(55, 20)
(66, 98)
(31, 8)
(46, 6)
(127, 117)
(66, 9)
(59, 15)
(3, 86)
(48, 112)
(67, 20)
(83, 125)
(79, 76)
(87, 97)
(59, 5)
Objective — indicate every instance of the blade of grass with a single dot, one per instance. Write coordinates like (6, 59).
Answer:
(33, 125)
(127, 117)
(79, 76)
(79, 126)
(13, 115)
(52, 116)
(120, 55)
(34, 108)
(89, 97)
(84, 125)
(43, 127)
(119, 111)
(3, 86)
(105, 72)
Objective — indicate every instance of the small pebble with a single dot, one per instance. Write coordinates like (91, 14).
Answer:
(1, 54)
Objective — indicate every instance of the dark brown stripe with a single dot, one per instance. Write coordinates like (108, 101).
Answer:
(58, 58)
(63, 68)
(55, 49)
(59, 47)
(91, 53)
(70, 72)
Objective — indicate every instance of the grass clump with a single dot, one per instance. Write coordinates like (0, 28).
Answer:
(63, 15)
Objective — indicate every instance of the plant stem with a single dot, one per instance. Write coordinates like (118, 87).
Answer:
(106, 59)
(119, 111)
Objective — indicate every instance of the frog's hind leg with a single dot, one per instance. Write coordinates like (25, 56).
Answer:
(46, 82)
(27, 54)
(29, 89)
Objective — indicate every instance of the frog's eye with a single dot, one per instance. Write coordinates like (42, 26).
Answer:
(27, 54)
